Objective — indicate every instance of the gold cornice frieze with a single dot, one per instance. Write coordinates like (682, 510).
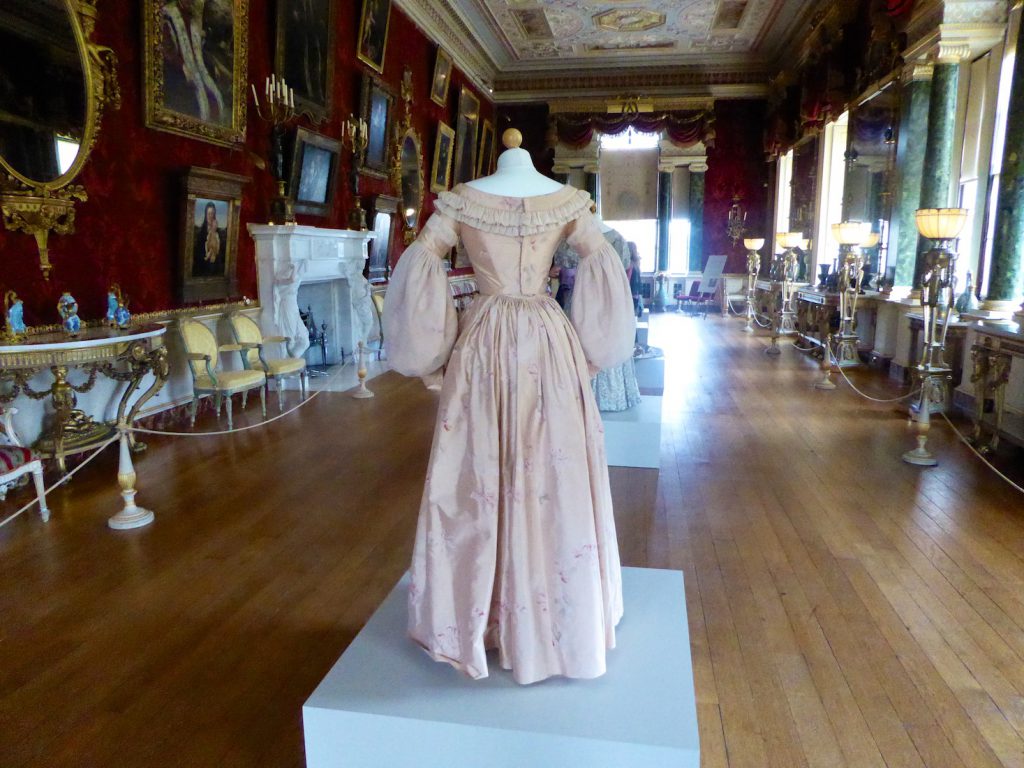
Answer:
(599, 105)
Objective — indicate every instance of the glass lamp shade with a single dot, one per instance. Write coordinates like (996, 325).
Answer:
(753, 243)
(871, 241)
(851, 232)
(940, 223)
(791, 239)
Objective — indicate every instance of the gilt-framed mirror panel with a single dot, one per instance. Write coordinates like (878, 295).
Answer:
(385, 218)
(56, 85)
(870, 166)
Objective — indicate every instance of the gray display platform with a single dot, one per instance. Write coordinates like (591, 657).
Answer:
(385, 703)
(633, 438)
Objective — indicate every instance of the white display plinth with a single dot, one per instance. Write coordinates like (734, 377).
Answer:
(385, 703)
(633, 438)
(650, 374)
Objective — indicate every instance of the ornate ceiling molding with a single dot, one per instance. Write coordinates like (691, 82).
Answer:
(474, 56)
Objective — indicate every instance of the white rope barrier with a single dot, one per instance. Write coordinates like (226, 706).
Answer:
(309, 399)
(62, 480)
(853, 386)
(977, 453)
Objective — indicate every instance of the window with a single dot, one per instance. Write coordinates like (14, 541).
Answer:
(643, 232)
(998, 143)
(67, 151)
(783, 196)
(830, 204)
(629, 139)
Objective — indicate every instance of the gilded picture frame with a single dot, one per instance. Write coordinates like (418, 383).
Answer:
(204, 99)
(304, 53)
(314, 172)
(376, 107)
(209, 235)
(442, 78)
(466, 136)
(441, 168)
(372, 43)
(485, 156)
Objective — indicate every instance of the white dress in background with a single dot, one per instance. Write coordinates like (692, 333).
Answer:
(515, 546)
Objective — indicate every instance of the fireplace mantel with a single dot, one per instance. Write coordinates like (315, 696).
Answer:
(288, 256)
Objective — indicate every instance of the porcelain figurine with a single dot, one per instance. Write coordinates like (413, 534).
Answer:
(112, 303)
(67, 307)
(118, 315)
(15, 313)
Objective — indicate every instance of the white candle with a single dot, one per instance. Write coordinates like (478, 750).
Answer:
(255, 99)
(291, 98)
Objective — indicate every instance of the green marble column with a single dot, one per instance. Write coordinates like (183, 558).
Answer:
(696, 221)
(910, 167)
(1006, 270)
(591, 181)
(661, 298)
(938, 152)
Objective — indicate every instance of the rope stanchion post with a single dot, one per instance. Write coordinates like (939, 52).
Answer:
(826, 382)
(132, 515)
(921, 456)
(362, 392)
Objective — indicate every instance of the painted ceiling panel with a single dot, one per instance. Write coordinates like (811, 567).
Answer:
(559, 32)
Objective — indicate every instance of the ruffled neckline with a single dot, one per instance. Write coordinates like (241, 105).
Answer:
(512, 216)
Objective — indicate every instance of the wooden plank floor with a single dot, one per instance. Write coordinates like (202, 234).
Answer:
(845, 609)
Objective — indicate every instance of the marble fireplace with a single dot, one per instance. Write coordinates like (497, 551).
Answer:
(302, 267)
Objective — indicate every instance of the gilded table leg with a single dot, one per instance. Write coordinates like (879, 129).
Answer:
(155, 362)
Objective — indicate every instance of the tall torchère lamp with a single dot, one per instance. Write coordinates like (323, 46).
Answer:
(784, 270)
(753, 245)
(938, 294)
(851, 235)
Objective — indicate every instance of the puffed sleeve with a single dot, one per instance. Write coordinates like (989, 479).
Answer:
(419, 320)
(602, 306)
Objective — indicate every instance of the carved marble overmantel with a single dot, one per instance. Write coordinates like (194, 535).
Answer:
(289, 256)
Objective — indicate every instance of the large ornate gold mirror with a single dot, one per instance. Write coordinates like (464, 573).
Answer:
(54, 84)
(870, 168)
(407, 176)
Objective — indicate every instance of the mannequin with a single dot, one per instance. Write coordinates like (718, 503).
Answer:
(515, 175)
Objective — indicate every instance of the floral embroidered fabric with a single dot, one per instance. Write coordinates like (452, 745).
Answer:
(515, 546)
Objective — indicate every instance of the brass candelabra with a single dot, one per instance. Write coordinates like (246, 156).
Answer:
(278, 110)
(354, 137)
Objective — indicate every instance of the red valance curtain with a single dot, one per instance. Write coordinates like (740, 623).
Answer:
(683, 129)
(897, 8)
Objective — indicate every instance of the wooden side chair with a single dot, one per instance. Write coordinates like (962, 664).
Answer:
(251, 340)
(203, 355)
(18, 462)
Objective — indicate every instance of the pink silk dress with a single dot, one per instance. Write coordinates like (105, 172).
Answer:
(515, 547)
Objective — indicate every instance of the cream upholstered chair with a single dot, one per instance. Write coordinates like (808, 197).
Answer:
(17, 462)
(252, 341)
(377, 297)
(202, 353)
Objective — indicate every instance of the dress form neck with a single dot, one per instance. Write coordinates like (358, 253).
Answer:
(515, 176)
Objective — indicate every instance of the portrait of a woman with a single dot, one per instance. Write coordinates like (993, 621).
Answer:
(209, 244)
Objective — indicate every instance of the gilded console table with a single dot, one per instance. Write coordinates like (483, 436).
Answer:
(991, 361)
(816, 311)
(125, 356)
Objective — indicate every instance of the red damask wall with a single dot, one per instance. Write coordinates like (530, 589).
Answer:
(736, 165)
(128, 230)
